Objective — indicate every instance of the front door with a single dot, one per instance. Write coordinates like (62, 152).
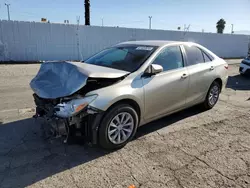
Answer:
(166, 92)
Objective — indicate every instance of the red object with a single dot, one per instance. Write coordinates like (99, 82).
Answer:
(132, 186)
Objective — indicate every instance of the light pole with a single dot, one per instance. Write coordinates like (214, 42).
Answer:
(232, 30)
(8, 9)
(150, 17)
(102, 22)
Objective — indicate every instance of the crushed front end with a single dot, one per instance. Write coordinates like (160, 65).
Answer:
(69, 117)
(61, 96)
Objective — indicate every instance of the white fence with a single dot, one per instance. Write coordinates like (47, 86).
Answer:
(31, 41)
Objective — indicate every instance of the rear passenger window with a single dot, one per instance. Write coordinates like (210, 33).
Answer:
(194, 55)
(210, 57)
(206, 58)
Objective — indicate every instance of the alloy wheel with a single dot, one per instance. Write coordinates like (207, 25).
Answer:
(120, 128)
(214, 95)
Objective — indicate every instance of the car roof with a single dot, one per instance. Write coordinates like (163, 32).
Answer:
(153, 42)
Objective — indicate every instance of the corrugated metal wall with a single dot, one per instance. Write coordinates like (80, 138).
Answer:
(31, 41)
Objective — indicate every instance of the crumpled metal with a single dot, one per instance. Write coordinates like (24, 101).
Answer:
(60, 79)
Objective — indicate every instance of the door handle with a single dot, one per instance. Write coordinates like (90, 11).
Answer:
(184, 76)
(212, 68)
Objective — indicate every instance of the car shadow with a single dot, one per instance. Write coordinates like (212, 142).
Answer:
(238, 82)
(28, 157)
(167, 120)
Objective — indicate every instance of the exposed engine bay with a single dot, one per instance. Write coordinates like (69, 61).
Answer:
(70, 115)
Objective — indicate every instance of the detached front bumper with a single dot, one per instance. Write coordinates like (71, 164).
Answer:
(84, 124)
(86, 127)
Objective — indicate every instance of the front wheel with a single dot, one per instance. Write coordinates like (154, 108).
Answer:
(212, 96)
(118, 127)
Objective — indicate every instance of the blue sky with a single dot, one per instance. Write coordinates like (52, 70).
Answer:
(167, 14)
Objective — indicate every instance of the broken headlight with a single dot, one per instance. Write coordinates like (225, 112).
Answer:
(73, 107)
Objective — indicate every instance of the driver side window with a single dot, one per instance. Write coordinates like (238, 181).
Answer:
(170, 58)
(115, 56)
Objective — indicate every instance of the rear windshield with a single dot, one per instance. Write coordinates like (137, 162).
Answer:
(127, 58)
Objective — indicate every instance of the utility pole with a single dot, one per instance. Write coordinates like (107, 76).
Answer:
(186, 29)
(78, 20)
(78, 38)
(102, 22)
(232, 30)
(8, 9)
(150, 17)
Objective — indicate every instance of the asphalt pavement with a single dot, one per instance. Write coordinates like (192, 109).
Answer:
(191, 148)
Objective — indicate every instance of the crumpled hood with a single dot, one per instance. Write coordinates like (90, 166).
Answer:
(60, 79)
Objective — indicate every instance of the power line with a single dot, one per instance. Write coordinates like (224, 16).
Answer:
(135, 21)
(31, 16)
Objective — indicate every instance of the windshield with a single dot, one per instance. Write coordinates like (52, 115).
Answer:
(127, 58)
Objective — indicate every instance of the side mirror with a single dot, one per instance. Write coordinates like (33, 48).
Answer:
(153, 69)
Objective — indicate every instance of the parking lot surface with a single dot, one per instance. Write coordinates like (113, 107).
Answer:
(192, 148)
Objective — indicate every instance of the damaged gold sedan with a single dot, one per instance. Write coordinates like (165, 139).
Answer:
(105, 98)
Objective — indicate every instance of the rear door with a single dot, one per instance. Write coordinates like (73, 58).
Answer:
(201, 73)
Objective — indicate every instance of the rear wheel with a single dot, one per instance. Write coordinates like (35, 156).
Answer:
(118, 127)
(212, 96)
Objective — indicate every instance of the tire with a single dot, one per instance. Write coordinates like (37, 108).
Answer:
(111, 116)
(208, 104)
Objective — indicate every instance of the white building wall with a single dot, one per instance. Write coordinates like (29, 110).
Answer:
(34, 41)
